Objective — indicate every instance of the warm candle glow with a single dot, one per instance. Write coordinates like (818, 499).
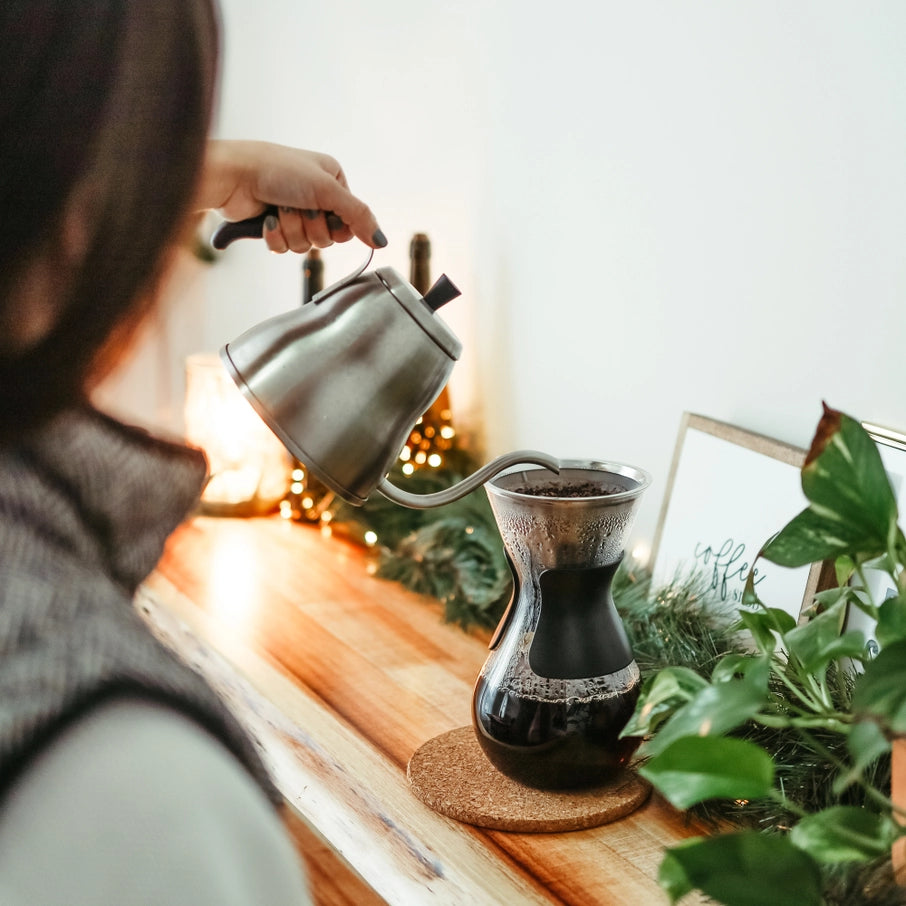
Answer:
(248, 465)
(641, 553)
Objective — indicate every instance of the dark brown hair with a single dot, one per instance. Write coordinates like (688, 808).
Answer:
(108, 103)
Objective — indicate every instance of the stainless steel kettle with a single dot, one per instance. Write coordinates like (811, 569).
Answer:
(343, 379)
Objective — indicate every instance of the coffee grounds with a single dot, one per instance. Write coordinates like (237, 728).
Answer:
(585, 489)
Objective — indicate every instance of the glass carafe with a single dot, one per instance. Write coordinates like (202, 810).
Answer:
(561, 681)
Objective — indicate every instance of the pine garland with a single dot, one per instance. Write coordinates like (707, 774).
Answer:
(453, 553)
(677, 625)
(455, 561)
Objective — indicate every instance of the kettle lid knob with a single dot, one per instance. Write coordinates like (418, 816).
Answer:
(441, 293)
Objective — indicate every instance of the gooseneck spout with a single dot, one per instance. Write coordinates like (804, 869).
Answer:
(467, 485)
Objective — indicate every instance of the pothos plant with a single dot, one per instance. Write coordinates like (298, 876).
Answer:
(696, 747)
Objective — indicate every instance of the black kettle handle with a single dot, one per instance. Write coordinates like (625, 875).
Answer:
(251, 228)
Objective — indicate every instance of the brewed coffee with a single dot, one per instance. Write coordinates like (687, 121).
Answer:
(554, 744)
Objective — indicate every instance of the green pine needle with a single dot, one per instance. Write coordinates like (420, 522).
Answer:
(679, 625)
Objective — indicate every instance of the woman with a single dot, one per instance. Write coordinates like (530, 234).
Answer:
(122, 777)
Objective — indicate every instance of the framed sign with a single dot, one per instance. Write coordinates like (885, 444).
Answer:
(729, 491)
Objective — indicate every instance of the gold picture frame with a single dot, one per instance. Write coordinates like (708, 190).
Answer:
(728, 491)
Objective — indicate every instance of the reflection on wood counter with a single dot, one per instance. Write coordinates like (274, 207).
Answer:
(341, 677)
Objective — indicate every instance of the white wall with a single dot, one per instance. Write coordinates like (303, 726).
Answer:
(650, 207)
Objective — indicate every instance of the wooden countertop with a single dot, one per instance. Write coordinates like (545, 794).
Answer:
(341, 677)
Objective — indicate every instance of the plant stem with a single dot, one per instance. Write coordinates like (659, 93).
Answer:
(834, 723)
(801, 694)
(860, 572)
(819, 687)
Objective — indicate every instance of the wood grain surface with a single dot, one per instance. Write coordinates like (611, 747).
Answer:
(342, 677)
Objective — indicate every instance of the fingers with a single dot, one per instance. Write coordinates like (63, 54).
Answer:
(339, 231)
(314, 226)
(273, 235)
(304, 229)
(358, 217)
(297, 230)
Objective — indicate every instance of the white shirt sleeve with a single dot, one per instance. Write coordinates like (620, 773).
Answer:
(136, 804)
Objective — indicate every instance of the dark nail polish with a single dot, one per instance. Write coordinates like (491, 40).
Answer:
(334, 222)
(311, 213)
(379, 239)
(270, 223)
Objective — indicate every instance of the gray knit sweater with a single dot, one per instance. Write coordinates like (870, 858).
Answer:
(85, 509)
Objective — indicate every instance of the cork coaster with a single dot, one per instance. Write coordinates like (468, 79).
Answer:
(452, 775)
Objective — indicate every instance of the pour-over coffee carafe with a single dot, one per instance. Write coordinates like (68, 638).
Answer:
(343, 379)
(561, 681)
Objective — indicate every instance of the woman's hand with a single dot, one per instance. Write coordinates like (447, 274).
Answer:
(314, 204)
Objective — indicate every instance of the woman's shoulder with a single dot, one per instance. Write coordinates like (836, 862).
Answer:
(136, 803)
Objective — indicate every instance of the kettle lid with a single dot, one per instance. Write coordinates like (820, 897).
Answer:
(420, 309)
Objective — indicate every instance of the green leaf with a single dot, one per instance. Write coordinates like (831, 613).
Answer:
(852, 509)
(885, 563)
(818, 642)
(715, 710)
(856, 598)
(668, 691)
(780, 619)
(812, 536)
(880, 692)
(749, 595)
(866, 744)
(755, 668)
(843, 833)
(891, 625)
(832, 596)
(765, 624)
(747, 869)
(696, 768)
(844, 567)
(673, 878)
(847, 482)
